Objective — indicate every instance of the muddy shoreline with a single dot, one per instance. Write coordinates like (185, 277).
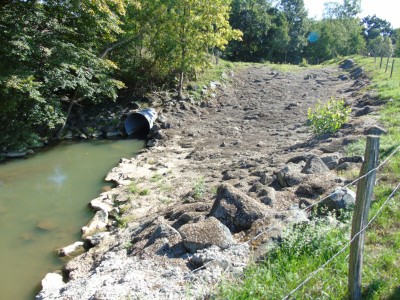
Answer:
(189, 210)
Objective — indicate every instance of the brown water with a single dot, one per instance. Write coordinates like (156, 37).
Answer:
(51, 189)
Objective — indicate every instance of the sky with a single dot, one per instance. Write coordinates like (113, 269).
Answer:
(384, 9)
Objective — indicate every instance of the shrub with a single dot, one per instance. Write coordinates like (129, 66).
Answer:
(303, 63)
(328, 118)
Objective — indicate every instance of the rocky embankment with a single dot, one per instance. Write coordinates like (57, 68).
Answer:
(196, 207)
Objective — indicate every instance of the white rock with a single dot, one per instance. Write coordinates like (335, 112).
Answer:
(72, 249)
(16, 154)
(97, 224)
(51, 284)
(98, 204)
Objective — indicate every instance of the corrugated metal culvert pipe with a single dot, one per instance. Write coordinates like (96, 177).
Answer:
(140, 121)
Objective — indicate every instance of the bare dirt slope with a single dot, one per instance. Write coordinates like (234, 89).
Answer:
(256, 123)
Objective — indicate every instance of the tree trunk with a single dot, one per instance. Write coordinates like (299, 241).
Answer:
(71, 104)
(186, 12)
(115, 45)
(182, 71)
(180, 95)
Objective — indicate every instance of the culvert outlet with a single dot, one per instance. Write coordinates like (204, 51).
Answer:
(140, 121)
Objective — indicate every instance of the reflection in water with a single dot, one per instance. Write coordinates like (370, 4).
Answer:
(43, 205)
(58, 177)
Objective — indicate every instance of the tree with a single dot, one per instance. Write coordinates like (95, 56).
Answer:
(253, 19)
(278, 36)
(56, 54)
(298, 23)
(321, 43)
(45, 62)
(397, 45)
(336, 37)
(178, 34)
(381, 46)
(349, 9)
(339, 33)
(374, 26)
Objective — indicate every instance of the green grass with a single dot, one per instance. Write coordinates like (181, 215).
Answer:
(133, 188)
(144, 192)
(136, 190)
(306, 248)
(199, 188)
(156, 178)
(217, 72)
(357, 148)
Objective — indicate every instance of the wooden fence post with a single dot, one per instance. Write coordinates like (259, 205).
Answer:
(365, 187)
(391, 72)
(387, 64)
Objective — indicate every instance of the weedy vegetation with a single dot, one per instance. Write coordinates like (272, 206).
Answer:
(136, 190)
(329, 117)
(199, 188)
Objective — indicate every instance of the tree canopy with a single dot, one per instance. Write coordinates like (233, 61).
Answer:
(46, 61)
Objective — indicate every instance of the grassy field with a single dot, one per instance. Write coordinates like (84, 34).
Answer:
(305, 249)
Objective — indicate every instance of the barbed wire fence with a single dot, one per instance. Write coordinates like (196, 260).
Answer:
(312, 274)
(360, 220)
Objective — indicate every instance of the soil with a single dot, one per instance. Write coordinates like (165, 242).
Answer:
(254, 125)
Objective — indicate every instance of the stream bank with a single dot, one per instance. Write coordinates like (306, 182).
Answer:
(194, 207)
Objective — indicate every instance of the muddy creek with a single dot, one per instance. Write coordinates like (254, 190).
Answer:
(43, 205)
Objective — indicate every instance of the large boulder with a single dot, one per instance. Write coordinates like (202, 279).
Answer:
(102, 203)
(165, 241)
(314, 165)
(315, 186)
(339, 199)
(351, 159)
(347, 64)
(201, 235)
(375, 130)
(330, 160)
(163, 231)
(235, 209)
(237, 174)
(268, 196)
(299, 158)
(290, 175)
(293, 216)
(97, 238)
(17, 154)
